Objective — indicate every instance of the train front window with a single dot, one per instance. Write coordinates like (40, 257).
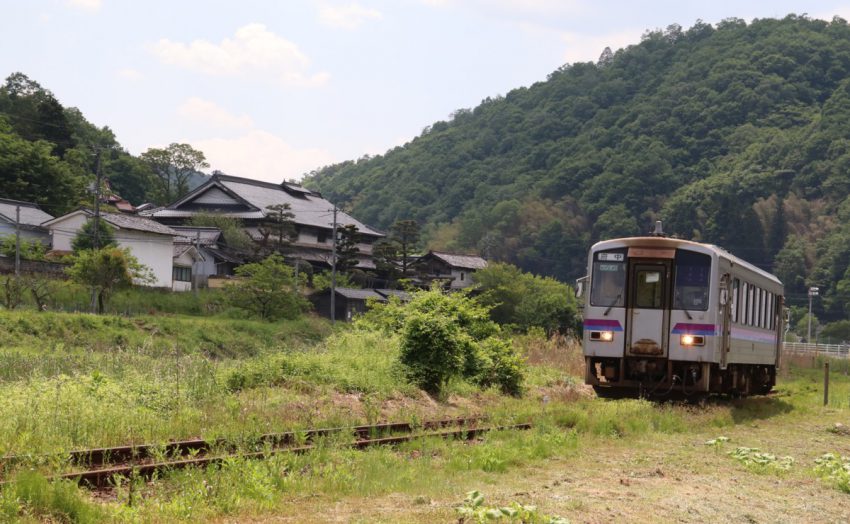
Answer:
(608, 281)
(693, 271)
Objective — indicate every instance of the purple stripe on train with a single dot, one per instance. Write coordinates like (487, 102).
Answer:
(683, 328)
(602, 323)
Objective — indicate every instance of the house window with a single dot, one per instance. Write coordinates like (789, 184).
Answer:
(322, 236)
(462, 275)
(182, 274)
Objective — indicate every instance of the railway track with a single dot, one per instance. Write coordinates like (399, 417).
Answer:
(103, 465)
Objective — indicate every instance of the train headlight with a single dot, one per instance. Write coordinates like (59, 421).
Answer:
(602, 336)
(692, 340)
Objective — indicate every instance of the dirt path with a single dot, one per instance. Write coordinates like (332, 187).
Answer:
(657, 478)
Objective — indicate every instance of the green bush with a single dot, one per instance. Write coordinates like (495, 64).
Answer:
(446, 336)
(267, 290)
(526, 301)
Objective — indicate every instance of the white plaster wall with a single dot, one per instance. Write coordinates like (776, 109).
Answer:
(457, 283)
(62, 233)
(154, 251)
(178, 285)
(26, 234)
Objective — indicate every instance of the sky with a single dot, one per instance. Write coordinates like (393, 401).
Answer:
(274, 89)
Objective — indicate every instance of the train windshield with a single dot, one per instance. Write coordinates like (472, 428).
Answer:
(608, 280)
(693, 271)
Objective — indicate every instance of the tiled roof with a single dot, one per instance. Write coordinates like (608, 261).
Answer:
(359, 294)
(403, 295)
(309, 208)
(208, 235)
(136, 223)
(31, 215)
(460, 261)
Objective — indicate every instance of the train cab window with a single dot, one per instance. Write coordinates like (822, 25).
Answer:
(693, 271)
(608, 280)
(649, 288)
(736, 289)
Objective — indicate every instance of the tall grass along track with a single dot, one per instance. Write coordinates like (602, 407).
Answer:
(104, 464)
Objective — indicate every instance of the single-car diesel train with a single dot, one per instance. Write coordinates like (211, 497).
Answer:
(669, 316)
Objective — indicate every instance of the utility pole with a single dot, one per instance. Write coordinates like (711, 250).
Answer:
(333, 270)
(17, 241)
(97, 203)
(96, 222)
(813, 292)
(195, 283)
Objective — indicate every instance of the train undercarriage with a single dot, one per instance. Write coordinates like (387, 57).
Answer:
(660, 378)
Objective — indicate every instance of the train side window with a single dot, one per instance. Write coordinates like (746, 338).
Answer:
(736, 285)
(692, 276)
(764, 311)
(745, 304)
(750, 305)
(757, 307)
(771, 312)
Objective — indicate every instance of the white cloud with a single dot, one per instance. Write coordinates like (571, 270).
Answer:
(253, 50)
(843, 12)
(89, 5)
(208, 113)
(348, 16)
(128, 73)
(540, 7)
(261, 155)
(583, 47)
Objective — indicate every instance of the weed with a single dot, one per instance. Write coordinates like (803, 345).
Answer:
(473, 510)
(834, 469)
(761, 462)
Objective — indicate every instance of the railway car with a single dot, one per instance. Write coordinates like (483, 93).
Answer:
(668, 316)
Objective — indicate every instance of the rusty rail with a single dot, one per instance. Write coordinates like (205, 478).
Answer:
(100, 478)
(104, 464)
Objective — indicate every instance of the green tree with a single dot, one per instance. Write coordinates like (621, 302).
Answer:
(29, 172)
(448, 336)
(232, 229)
(173, 166)
(406, 234)
(107, 270)
(346, 248)
(277, 229)
(30, 249)
(524, 300)
(84, 239)
(265, 289)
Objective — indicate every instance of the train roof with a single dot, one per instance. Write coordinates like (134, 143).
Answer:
(675, 243)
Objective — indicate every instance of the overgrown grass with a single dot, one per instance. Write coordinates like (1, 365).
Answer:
(79, 395)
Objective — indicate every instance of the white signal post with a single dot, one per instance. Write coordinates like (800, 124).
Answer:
(813, 292)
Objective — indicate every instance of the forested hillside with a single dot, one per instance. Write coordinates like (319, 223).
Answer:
(49, 155)
(736, 134)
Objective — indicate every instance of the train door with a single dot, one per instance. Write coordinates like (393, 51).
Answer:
(649, 309)
(728, 299)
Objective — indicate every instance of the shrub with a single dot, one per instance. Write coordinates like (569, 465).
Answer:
(525, 300)
(266, 290)
(444, 336)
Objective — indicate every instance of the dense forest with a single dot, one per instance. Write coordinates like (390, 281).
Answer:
(736, 134)
(50, 154)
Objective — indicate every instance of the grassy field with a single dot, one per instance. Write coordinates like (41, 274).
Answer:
(71, 381)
